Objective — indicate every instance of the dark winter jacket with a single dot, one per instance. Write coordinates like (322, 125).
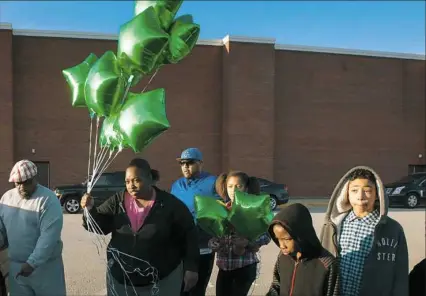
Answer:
(167, 237)
(385, 270)
(315, 273)
(417, 279)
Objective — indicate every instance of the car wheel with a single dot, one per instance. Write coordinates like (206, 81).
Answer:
(412, 200)
(72, 205)
(273, 202)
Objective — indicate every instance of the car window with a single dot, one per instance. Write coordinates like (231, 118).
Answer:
(102, 181)
(411, 178)
(263, 182)
(116, 179)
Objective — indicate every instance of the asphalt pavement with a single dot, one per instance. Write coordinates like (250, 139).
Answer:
(85, 266)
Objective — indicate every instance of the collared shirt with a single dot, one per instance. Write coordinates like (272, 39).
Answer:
(355, 241)
(137, 214)
(226, 259)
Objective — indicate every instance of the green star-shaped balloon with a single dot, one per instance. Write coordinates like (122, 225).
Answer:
(211, 215)
(250, 214)
(110, 135)
(165, 9)
(141, 42)
(105, 86)
(143, 118)
(76, 78)
(183, 37)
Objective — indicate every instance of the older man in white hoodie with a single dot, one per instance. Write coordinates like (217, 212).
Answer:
(30, 226)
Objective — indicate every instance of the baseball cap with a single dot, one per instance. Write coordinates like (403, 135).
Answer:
(191, 154)
(22, 171)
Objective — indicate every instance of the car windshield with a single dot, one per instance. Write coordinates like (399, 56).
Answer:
(412, 178)
(85, 181)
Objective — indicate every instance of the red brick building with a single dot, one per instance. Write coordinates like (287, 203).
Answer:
(297, 115)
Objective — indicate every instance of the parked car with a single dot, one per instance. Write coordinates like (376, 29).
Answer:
(278, 192)
(409, 191)
(110, 183)
(107, 184)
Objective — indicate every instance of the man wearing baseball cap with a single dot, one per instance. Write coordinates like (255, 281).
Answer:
(196, 182)
(30, 226)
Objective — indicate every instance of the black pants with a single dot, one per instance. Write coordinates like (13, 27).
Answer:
(205, 268)
(236, 282)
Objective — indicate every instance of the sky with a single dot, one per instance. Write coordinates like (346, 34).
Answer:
(392, 26)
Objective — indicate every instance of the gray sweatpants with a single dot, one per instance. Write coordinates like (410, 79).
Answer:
(169, 286)
(46, 280)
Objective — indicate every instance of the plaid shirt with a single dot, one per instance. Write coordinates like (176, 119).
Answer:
(226, 259)
(355, 242)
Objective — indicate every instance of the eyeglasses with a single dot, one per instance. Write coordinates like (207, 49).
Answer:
(187, 162)
(26, 182)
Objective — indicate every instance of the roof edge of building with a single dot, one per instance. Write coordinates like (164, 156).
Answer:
(220, 42)
(356, 52)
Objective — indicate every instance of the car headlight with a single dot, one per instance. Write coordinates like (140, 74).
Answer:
(398, 190)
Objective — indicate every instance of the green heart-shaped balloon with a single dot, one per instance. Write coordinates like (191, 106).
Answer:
(76, 78)
(143, 118)
(183, 37)
(105, 86)
(165, 9)
(141, 42)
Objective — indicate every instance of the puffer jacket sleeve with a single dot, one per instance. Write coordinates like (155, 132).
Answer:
(274, 289)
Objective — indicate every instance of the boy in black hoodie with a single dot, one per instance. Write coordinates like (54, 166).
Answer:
(304, 267)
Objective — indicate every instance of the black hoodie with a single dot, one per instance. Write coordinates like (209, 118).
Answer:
(316, 272)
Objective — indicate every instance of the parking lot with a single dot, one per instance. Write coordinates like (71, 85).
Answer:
(85, 268)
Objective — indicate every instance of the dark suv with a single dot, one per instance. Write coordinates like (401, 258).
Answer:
(107, 185)
(409, 191)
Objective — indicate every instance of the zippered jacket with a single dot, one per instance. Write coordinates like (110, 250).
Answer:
(167, 237)
(315, 273)
(186, 190)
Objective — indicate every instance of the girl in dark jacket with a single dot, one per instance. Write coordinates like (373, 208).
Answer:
(304, 267)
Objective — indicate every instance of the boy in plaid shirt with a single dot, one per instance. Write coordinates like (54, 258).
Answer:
(236, 256)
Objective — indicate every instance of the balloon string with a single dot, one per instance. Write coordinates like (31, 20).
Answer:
(150, 80)
(99, 160)
(126, 92)
(90, 148)
(149, 271)
(103, 167)
(89, 185)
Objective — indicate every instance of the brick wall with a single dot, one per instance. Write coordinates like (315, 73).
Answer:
(300, 118)
(6, 108)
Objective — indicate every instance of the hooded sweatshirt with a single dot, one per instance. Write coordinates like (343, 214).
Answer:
(315, 273)
(385, 271)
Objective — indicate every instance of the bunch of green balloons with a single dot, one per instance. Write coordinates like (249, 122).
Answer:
(249, 215)
(153, 38)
